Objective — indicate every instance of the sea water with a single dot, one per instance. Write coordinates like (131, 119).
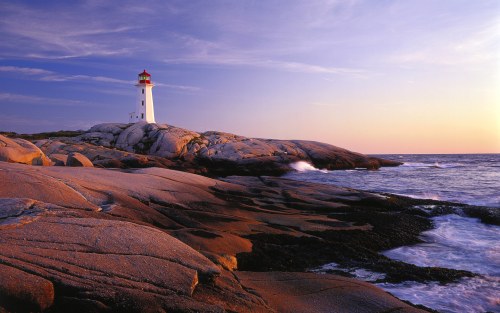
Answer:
(466, 178)
(456, 242)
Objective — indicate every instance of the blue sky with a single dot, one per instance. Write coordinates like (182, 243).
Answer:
(371, 76)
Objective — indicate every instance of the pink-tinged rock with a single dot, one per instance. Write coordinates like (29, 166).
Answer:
(24, 292)
(110, 128)
(311, 293)
(105, 259)
(76, 159)
(16, 150)
(18, 181)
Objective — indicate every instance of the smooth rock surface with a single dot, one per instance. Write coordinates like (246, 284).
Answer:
(159, 240)
(21, 291)
(312, 293)
(78, 159)
(16, 150)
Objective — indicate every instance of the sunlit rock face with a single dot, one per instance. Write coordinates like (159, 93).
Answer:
(16, 150)
(212, 153)
(83, 239)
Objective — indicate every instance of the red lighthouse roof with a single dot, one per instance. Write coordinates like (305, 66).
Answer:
(144, 73)
(144, 78)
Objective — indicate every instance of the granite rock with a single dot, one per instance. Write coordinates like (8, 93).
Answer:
(16, 150)
(221, 154)
(78, 159)
(158, 240)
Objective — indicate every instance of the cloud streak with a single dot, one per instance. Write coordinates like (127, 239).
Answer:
(51, 76)
(20, 98)
(480, 45)
(297, 67)
(61, 32)
(25, 70)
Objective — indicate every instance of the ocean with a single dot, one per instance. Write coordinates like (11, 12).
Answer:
(457, 241)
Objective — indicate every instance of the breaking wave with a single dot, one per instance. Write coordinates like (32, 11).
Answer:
(303, 166)
(459, 243)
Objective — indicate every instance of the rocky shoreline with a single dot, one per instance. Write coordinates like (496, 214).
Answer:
(85, 239)
(211, 153)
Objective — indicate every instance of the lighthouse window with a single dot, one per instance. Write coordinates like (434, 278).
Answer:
(142, 115)
(142, 102)
(143, 90)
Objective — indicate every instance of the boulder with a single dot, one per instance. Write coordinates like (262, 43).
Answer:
(18, 150)
(172, 142)
(110, 128)
(131, 136)
(59, 159)
(78, 160)
(49, 146)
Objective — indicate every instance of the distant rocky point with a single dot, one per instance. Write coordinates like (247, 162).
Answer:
(211, 153)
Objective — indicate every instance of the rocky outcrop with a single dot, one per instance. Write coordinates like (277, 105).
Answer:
(210, 153)
(18, 150)
(59, 150)
(311, 293)
(75, 239)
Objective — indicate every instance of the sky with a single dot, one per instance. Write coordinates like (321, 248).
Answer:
(373, 76)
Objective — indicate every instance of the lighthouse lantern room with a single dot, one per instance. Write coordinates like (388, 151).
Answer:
(144, 110)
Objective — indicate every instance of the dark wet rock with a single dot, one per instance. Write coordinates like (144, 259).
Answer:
(486, 215)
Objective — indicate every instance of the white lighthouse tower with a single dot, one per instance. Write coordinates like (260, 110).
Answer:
(144, 110)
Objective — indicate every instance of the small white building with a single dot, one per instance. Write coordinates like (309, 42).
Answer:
(144, 110)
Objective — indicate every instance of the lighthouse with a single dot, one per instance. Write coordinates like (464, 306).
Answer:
(144, 110)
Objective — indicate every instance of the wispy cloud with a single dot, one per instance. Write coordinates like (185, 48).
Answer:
(51, 76)
(469, 48)
(104, 79)
(61, 31)
(178, 87)
(63, 78)
(18, 123)
(241, 39)
(205, 52)
(25, 70)
(20, 98)
(242, 60)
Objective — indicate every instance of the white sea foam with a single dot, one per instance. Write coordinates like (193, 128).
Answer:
(459, 243)
(456, 242)
(472, 295)
(303, 166)
(357, 272)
